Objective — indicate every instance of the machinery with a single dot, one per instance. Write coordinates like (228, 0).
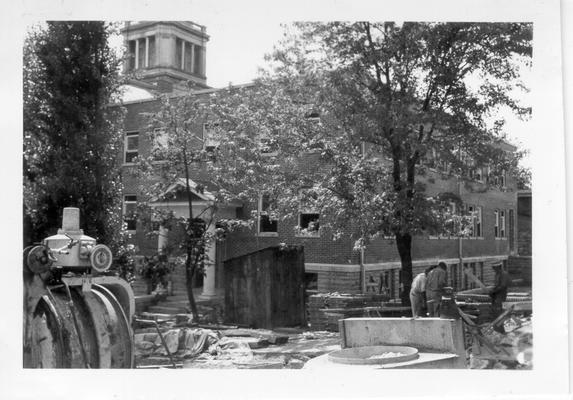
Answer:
(76, 313)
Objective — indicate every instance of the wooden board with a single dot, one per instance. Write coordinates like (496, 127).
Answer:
(265, 289)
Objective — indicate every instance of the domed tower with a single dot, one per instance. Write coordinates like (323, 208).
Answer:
(165, 54)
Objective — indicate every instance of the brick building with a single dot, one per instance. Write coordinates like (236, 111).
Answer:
(170, 57)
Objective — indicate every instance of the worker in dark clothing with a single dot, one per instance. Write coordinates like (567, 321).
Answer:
(498, 293)
(435, 284)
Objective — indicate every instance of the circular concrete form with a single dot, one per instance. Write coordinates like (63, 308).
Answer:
(374, 355)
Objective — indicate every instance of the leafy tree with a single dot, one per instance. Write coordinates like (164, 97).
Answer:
(71, 135)
(390, 98)
(178, 155)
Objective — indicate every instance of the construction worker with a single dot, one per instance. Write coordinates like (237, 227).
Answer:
(418, 294)
(435, 283)
(498, 293)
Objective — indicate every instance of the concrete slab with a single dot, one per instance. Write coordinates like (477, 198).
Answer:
(430, 335)
(424, 361)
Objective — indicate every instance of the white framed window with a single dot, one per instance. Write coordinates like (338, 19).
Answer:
(209, 135)
(309, 216)
(475, 213)
(479, 174)
(309, 223)
(484, 174)
(131, 147)
(210, 139)
(503, 179)
(499, 227)
(452, 224)
(141, 53)
(267, 225)
(500, 179)
(160, 138)
(130, 212)
(159, 144)
(478, 222)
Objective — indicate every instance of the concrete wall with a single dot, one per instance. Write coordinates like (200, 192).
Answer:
(425, 334)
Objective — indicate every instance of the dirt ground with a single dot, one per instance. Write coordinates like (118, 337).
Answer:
(224, 347)
(195, 347)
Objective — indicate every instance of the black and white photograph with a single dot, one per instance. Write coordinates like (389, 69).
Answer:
(306, 204)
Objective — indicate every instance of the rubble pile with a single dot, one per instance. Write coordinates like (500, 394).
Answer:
(188, 346)
(516, 345)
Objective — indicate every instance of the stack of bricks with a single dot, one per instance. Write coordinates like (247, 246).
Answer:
(320, 319)
(347, 282)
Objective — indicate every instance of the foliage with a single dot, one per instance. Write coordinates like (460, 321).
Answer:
(387, 96)
(155, 270)
(71, 135)
(523, 178)
(123, 258)
(178, 152)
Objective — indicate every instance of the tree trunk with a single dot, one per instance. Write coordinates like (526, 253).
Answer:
(404, 244)
(189, 272)
(190, 266)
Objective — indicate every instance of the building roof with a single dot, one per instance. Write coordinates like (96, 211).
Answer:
(198, 189)
(131, 93)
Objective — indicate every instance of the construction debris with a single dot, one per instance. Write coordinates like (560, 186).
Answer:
(180, 346)
(516, 344)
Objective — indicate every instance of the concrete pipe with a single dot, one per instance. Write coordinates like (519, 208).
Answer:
(75, 328)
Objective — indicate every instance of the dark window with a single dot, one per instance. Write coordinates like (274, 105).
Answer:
(151, 51)
(502, 223)
(188, 57)
(267, 224)
(179, 53)
(198, 60)
(496, 224)
(477, 221)
(141, 53)
(309, 221)
(311, 281)
(131, 55)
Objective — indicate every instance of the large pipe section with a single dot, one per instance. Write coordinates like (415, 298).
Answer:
(76, 314)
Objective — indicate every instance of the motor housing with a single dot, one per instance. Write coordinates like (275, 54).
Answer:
(72, 249)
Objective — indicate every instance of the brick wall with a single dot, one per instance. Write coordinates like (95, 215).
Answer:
(524, 235)
(524, 229)
(324, 250)
(520, 268)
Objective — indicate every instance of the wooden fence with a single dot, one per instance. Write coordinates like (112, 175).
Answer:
(265, 289)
